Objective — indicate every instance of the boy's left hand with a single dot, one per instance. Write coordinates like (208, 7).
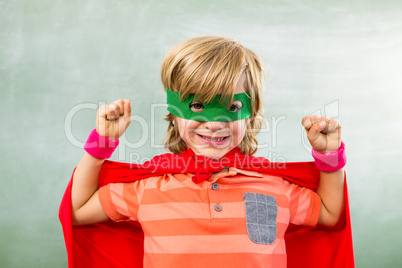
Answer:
(323, 133)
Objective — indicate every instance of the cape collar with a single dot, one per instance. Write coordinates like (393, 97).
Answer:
(206, 167)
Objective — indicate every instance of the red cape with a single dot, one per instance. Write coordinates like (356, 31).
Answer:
(111, 244)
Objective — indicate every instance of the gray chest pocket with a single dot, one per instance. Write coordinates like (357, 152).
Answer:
(261, 211)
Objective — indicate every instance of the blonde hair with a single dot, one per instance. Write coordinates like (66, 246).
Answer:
(205, 66)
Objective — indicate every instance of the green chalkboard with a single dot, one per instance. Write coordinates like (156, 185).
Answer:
(60, 59)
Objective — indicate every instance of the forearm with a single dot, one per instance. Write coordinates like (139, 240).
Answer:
(111, 122)
(85, 180)
(324, 135)
(332, 193)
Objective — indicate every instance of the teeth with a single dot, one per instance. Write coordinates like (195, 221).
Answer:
(212, 139)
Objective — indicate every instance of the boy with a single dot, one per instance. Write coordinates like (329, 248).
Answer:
(222, 212)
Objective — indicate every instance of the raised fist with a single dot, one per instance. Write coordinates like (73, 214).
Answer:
(323, 133)
(113, 119)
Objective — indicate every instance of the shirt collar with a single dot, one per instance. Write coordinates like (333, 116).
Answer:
(235, 171)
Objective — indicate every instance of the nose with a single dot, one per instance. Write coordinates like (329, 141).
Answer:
(214, 125)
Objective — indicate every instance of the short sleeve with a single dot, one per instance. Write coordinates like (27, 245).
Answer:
(304, 204)
(121, 201)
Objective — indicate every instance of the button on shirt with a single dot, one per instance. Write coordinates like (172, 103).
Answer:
(215, 186)
(212, 224)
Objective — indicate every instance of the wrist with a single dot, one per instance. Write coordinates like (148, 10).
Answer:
(99, 146)
(331, 161)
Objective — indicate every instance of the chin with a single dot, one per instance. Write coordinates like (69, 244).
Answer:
(211, 151)
(212, 154)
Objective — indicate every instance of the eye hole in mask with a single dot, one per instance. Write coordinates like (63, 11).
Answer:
(236, 106)
(196, 106)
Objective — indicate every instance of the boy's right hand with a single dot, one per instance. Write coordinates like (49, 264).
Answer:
(113, 119)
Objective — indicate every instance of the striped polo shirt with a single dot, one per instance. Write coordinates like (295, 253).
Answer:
(236, 219)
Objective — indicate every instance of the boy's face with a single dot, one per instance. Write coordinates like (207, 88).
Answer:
(213, 139)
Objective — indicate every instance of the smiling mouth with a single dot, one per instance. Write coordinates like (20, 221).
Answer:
(216, 139)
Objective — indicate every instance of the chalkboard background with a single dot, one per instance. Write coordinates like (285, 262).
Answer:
(60, 59)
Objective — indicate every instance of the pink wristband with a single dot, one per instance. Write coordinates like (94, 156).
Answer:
(330, 162)
(99, 146)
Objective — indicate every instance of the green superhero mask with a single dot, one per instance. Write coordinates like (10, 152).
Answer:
(213, 111)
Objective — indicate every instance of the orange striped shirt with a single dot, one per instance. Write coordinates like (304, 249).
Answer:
(217, 223)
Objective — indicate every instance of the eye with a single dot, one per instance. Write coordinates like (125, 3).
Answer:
(196, 106)
(236, 106)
